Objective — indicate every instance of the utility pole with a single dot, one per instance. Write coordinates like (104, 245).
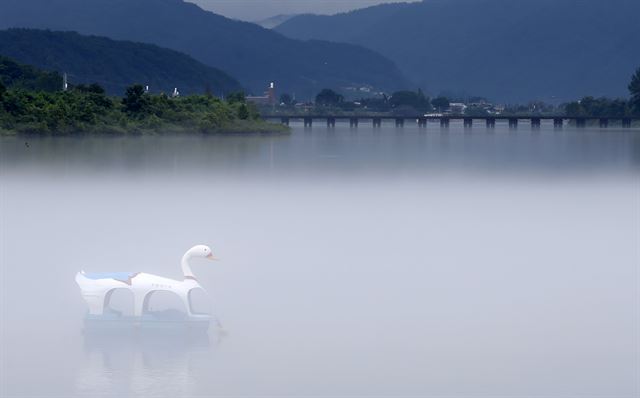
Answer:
(65, 83)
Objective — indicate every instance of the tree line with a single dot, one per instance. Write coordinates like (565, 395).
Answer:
(89, 109)
(32, 101)
(409, 103)
(594, 107)
(405, 101)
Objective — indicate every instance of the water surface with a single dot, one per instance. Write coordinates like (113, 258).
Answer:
(355, 263)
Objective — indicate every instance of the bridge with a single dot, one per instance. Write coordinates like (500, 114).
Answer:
(444, 120)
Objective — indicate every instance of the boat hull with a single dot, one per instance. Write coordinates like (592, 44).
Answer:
(109, 323)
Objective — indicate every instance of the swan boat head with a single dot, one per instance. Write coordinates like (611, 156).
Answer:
(203, 251)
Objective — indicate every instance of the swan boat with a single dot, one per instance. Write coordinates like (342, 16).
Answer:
(97, 289)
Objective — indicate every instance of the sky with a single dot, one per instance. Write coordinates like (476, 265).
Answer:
(254, 10)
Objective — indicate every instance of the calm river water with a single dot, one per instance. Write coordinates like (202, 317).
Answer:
(366, 263)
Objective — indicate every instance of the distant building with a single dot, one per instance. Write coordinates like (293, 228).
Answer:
(498, 109)
(269, 97)
(305, 106)
(457, 108)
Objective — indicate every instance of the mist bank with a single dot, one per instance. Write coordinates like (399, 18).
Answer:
(417, 264)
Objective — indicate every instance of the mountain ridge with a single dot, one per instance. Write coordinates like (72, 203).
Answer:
(554, 50)
(249, 52)
(114, 64)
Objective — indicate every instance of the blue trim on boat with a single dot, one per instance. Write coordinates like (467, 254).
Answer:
(119, 276)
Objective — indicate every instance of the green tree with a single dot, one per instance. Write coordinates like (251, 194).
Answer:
(254, 113)
(93, 88)
(415, 100)
(135, 101)
(617, 107)
(14, 102)
(574, 109)
(243, 112)
(286, 99)
(597, 107)
(328, 97)
(634, 89)
(3, 89)
(236, 98)
(440, 103)
(27, 77)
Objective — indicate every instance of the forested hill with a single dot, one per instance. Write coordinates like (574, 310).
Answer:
(26, 77)
(504, 49)
(249, 52)
(113, 64)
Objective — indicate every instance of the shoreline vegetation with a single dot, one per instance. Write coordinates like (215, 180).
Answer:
(87, 110)
(32, 102)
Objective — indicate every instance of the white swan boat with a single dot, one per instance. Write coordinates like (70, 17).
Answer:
(97, 289)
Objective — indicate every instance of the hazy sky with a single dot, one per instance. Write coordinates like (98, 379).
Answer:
(252, 10)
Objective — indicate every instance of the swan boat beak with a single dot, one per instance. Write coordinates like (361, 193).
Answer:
(212, 258)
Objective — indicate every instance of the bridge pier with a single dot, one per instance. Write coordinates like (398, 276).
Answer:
(422, 122)
(308, 122)
(399, 122)
(491, 123)
(353, 122)
(377, 122)
(284, 120)
(444, 122)
(535, 123)
(604, 123)
(626, 123)
(331, 122)
(468, 122)
(581, 122)
(558, 122)
(513, 123)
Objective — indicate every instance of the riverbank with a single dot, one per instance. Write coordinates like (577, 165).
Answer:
(236, 128)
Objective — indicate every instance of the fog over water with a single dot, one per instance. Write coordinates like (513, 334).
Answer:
(355, 263)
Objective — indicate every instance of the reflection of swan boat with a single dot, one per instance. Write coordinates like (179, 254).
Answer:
(142, 362)
(97, 289)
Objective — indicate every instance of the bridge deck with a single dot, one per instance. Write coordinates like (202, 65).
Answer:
(450, 117)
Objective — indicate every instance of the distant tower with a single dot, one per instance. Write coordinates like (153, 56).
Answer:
(146, 89)
(176, 93)
(65, 82)
(271, 93)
